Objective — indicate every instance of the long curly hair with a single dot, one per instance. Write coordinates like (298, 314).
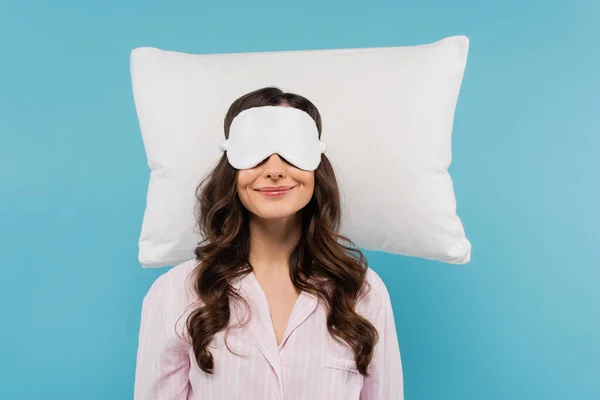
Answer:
(323, 262)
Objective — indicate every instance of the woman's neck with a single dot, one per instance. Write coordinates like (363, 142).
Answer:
(271, 242)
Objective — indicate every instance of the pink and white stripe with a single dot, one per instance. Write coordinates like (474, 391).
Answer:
(309, 364)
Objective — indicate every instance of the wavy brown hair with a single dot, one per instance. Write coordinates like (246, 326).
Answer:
(323, 262)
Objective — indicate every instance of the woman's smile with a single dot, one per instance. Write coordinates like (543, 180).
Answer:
(275, 191)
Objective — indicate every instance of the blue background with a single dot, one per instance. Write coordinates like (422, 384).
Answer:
(522, 321)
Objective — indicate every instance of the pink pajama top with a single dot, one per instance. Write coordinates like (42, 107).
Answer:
(309, 364)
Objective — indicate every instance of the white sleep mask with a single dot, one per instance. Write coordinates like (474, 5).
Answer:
(257, 133)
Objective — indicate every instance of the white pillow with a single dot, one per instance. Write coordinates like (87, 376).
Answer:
(387, 121)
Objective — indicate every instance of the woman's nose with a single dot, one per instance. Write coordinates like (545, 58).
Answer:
(274, 167)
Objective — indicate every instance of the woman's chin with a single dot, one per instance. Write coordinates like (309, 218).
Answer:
(275, 213)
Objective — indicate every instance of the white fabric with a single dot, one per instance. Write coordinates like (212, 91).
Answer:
(259, 132)
(387, 119)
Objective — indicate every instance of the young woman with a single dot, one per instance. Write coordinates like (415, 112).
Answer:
(276, 304)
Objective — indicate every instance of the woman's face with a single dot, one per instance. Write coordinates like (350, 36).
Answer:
(275, 189)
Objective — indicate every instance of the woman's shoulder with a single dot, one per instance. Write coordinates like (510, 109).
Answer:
(375, 295)
(174, 288)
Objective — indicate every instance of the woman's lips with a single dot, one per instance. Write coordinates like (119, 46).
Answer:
(275, 191)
